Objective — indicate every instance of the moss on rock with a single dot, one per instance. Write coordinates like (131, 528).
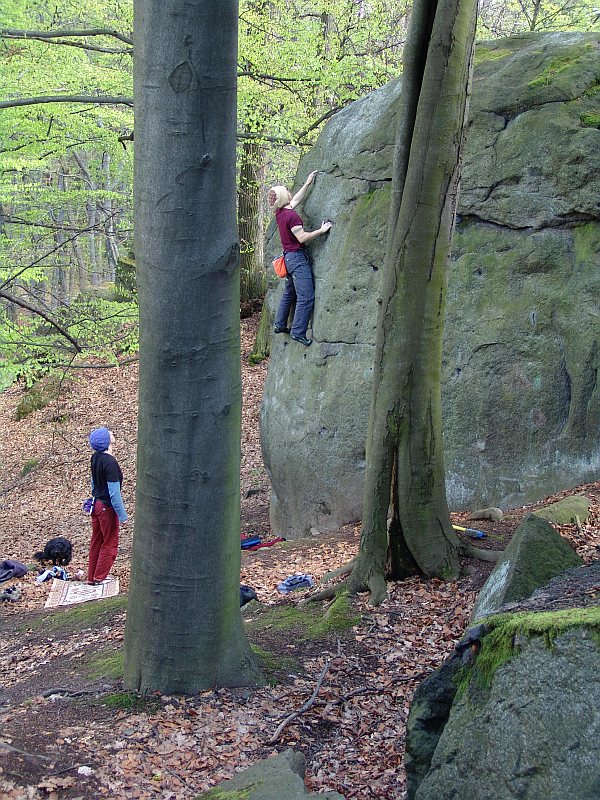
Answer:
(501, 643)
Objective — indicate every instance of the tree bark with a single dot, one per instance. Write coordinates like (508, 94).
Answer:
(250, 223)
(184, 629)
(404, 444)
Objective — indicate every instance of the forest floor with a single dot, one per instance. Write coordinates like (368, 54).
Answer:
(68, 729)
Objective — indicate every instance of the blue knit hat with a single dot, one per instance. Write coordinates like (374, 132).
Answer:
(100, 439)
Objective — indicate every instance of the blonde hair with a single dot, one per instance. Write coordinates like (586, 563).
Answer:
(278, 197)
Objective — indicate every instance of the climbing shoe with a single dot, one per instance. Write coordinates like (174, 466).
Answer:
(302, 340)
(279, 329)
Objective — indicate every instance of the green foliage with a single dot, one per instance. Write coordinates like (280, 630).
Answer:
(510, 17)
(65, 183)
(29, 466)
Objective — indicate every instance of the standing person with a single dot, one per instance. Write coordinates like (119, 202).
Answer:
(299, 283)
(108, 510)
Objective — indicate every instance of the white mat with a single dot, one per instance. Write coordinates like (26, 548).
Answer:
(68, 593)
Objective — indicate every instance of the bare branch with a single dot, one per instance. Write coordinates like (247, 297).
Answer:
(65, 98)
(38, 312)
(11, 33)
(96, 48)
(123, 363)
(310, 702)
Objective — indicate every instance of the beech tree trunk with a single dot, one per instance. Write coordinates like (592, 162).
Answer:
(405, 468)
(184, 631)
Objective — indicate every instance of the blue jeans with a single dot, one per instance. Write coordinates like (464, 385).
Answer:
(300, 289)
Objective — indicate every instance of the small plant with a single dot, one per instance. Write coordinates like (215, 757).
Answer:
(29, 466)
(590, 120)
(38, 396)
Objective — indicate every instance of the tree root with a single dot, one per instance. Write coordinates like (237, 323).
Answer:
(328, 593)
(482, 555)
(340, 572)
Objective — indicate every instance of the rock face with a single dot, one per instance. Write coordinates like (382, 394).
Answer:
(536, 554)
(514, 714)
(535, 735)
(521, 400)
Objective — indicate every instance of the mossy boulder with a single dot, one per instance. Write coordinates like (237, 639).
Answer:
(566, 511)
(521, 400)
(513, 713)
(277, 778)
(536, 554)
(530, 732)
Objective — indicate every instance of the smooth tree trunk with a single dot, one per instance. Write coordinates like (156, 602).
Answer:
(406, 523)
(184, 631)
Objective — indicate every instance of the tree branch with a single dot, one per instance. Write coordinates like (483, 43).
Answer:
(82, 45)
(38, 312)
(11, 33)
(302, 709)
(64, 98)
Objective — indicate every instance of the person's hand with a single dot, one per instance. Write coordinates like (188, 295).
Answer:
(311, 178)
(326, 225)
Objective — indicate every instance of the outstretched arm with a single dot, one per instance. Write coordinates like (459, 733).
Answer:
(305, 236)
(299, 196)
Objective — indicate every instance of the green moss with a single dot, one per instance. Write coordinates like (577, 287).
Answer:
(555, 68)
(498, 645)
(592, 91)
(105, 664)
(586, 241)
(85, 615)
(338, 617)
(271, 665)
(262, 343)
(309, 621)
(590, 120)
(483, 54)
(130, 701)
(222, 794)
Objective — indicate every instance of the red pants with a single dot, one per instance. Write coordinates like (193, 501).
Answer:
(105, 541)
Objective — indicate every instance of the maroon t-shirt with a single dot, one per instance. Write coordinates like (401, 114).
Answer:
(287, 219)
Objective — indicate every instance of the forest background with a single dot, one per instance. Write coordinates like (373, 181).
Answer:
(67, 269)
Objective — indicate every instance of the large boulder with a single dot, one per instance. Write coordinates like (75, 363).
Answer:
(520, 394)
(514, 712)
(536, 554)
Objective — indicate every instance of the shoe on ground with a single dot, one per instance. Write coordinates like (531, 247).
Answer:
(279, 329)
(302, 340)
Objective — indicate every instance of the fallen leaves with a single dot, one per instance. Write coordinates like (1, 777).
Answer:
(348, 719)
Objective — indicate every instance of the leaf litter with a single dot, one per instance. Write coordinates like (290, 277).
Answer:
(341, 698)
